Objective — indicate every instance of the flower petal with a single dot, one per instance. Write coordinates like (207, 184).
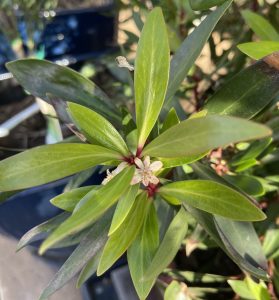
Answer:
(119, 168)
(139, 163)
(153, 179)
(146, 162)
(156, 166)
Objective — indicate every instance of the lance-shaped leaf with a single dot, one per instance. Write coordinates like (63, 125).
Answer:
(151, 73)
(261, 26)
(68, 200)
(141, 253)
(88, 248)
(240, 95)
(205, 4)
(123, 237)
(96, 204)
(97, 129)
(256, 264)
(89, 269)
(214, 198)
(48, 163)
(41, 77)
(199, 135)
(123, 208)
(169, 246)
(258, 50)
(41, 231)
(191, 48)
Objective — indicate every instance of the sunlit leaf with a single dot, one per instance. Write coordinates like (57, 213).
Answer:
(123, 237)
(141, 252)
(199, 135)
(97, 129)
(51, 162)
(258, 50)
(98, 202)
(151, 73)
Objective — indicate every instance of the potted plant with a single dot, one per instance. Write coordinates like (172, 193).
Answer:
(143, 158)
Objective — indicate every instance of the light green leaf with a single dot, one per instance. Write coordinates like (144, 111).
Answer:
(97, 129)
(258, 50)
(199, 135)
(170, 120)
(176, 291)
(141, 253)
(259, 290)
(205, 4)
(241, 288)
(261, 26)
(169, 246)
(214, 198)
(88, 248)
(271, 243)
(151, 73)
(68, 200)
(240, 95)
(89, 269)
(120, 241)
(41, 231)
(48, 163)
(98, 202)
(123, 208)
(41, 77)
(191, 48)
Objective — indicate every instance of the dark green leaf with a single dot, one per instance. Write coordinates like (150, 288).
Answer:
(169, 246)
(87, 249)
(141, 253)
(68, 201)
(249, 184)
(123, 237)
(199, 135)
(41, 231)
(97, 203)
(151, 73)
(97, 129)
(205, 4)
(240, 95)
(191, 48)
(41, 77)
(214, 198)
(48, 163)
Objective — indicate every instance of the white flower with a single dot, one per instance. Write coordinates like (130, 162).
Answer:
(116, 171)
(145, 171)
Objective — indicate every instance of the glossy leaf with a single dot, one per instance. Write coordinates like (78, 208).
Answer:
(97, 129)
(170, 120)
(240, 95)
(39, 232)
(87, 249)
(141, 252)
(249, 184)
(123, 208)
(258, 290)
(151, 73)
(187, 54)
(122, 238)
(261, 26)
(48, 163)
(196, 136)
(169, 246)
(241, 288)
(98, 202)
(214, 198)
(205, 4)
(68, 200)
(258, 50)
(41, 77)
